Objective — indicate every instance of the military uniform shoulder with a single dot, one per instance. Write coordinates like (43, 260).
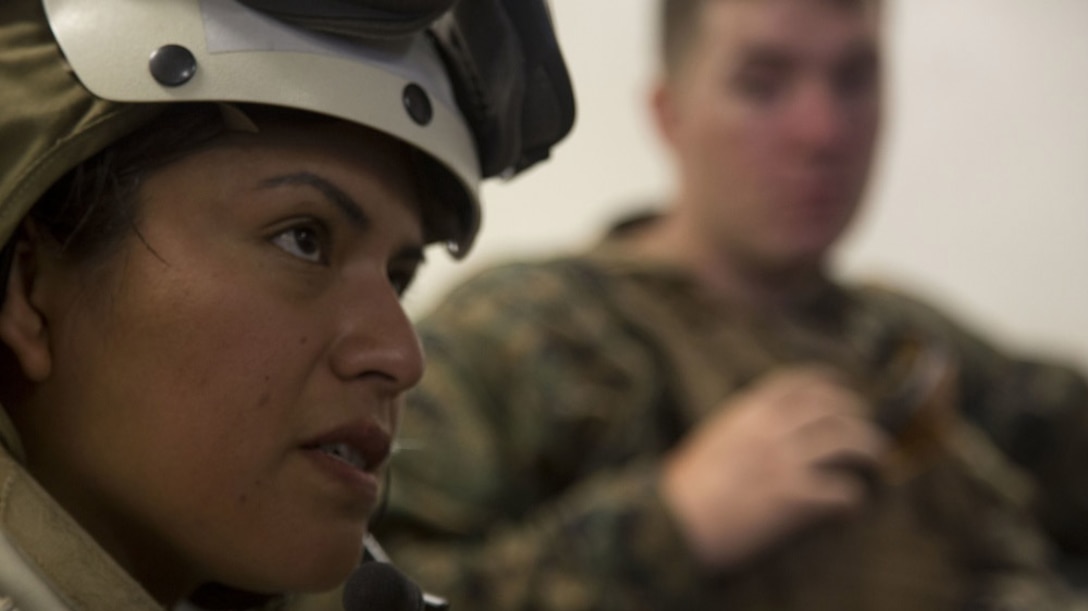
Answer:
(895, 307)
(893, 301)
(560, 294)
(520, 281)
(534, 267)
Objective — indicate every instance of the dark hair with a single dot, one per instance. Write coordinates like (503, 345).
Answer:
(92, 208)
(679, 20)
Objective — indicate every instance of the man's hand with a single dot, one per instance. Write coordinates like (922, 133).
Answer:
(779, 457)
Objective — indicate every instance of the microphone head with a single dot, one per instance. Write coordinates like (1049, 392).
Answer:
(377, 586)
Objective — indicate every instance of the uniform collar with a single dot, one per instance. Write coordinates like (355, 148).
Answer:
(68, 561)
(616, 253)
(9, 437)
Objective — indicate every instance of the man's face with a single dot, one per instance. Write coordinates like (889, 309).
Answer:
(772, 116)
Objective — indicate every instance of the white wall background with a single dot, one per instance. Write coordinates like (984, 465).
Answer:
(980, 201)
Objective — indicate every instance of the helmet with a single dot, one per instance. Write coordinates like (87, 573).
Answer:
(76, 76)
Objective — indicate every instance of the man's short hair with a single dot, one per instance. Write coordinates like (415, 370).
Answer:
(679, 22)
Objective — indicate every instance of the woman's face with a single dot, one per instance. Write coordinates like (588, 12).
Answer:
(221, 397)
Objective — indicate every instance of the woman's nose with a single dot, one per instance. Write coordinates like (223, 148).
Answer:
(377, 341)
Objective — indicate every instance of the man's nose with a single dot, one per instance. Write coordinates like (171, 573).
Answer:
(818, 118)
(375, 340)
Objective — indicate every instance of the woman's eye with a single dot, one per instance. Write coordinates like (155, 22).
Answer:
(303, 242)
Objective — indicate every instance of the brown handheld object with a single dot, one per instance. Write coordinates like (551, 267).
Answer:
(916, 405)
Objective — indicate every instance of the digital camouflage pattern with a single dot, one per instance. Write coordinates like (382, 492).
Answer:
(527, 472)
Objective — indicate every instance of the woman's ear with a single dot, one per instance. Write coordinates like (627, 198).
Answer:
(23, 325)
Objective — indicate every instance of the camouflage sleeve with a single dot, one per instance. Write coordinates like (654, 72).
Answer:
(1035, 411)
(500, 498)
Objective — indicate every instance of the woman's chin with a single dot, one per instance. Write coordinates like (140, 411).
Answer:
(315, 569)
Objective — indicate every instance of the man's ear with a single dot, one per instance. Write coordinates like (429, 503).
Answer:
(23, 325)
(663, 109)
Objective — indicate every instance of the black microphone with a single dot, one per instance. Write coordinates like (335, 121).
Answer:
(377, 586)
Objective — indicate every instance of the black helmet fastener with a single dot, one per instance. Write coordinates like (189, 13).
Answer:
(172, 65)
(418, 104)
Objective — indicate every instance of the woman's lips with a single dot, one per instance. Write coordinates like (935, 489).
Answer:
(352, 454)
(361, 482)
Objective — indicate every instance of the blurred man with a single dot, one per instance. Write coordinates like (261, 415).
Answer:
(694, 415)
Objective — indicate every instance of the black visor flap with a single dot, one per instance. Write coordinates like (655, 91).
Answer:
(510, 80)
(356, 18)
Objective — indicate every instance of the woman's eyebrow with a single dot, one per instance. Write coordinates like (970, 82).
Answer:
(334, 194)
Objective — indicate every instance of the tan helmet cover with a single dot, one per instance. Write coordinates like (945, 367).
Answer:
(50, 123)
(78, 80)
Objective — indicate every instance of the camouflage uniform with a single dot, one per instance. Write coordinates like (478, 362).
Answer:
(530, 453)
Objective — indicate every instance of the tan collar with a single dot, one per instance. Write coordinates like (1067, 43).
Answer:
(47, 560)
(55, 548)
(9, 437)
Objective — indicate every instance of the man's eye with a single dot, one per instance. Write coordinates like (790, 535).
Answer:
(302, 241)
(763, 88)
(856, 79)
